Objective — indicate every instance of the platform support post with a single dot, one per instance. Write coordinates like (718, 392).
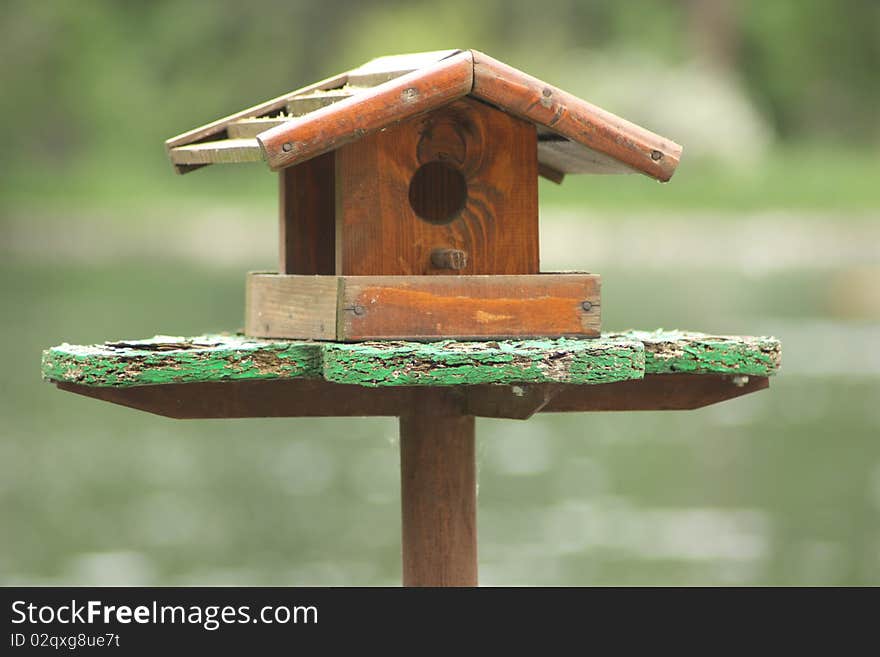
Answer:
(439, 500)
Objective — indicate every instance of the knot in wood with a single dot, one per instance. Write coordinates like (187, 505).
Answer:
(409, 94)
(449, 259)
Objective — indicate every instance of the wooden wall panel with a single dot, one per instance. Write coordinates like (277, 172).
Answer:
(379, 233)
(306, 204)
(355, 308)
(480, 307)
(291, 306)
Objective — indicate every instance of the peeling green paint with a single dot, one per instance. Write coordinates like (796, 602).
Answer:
(697, 353)
(613, 357)
(456, 363)
(165, 359)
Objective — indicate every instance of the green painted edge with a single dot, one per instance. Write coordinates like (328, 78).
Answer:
(450, 362)
(168, 359)
(613, 357)
(668, 352)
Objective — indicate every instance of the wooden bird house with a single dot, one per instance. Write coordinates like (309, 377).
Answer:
(409, 213)
(409, 199)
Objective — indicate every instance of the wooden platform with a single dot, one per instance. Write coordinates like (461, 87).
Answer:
(217, 376)
(435, 388)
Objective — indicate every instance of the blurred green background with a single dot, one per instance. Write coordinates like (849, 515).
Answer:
(769, 227)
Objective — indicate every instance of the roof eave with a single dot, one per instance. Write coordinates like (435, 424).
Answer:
(328, 128)
(215, 128)
(456, 74)
(530, 98)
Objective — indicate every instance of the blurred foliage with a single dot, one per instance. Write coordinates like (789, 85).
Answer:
(812, 64)
(98, 81)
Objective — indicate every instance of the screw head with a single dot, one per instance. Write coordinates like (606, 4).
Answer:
(287, 147)
(656, 155)
(358, 310)
(587, 306)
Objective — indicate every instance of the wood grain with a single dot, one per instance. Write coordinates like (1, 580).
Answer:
(378, 229)
(438, 490)
(431, 307)
(250, 128)
(330, 127)
(422, 307)
(301, 105)
(291, 306)
(530, 98)
(228, 151)
(307, 217)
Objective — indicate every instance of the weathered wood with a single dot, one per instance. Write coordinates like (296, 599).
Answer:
(615, 357)
(217, 129)
(250, 128)
(436, 307)
(301, 105)
(468, 363)
(301, 101)
(686, 351)
(237, 398)
(229, 151)
(530, 98)
(292, 306)
(422, 307)
(374, 109)
(307, 217)
(438, 490)
(381, 69)
(167, 359)
(288, 306)
(476, 197)
(566, 156)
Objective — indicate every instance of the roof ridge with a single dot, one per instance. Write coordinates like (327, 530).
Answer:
(397, 87)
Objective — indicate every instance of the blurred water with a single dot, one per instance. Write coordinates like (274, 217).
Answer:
(779, 487)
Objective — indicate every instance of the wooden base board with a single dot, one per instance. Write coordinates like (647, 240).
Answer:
(319, 398)
(357, 308)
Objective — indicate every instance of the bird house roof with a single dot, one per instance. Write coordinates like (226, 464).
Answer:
(574, 136)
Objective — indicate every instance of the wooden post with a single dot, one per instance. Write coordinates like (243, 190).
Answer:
(439, 500)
